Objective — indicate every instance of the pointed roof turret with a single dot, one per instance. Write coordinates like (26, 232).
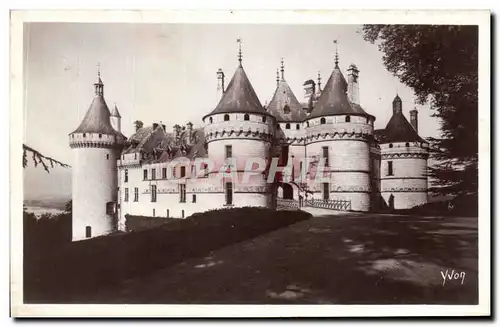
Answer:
(115, 112)
(284, 106)
(240, 95)
(398, 128)
(333, 99)
(96, 119)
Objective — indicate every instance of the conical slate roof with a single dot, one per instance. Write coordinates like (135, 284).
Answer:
(398, 129)
(115, 112)
(283, 96)
(334, 100)
(96, 119)
(239, 96)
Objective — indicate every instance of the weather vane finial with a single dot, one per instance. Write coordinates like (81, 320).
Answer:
(336, 52)
(319, 81)
(239, 51)
(282, 69)
(277, 77)
(99, 69)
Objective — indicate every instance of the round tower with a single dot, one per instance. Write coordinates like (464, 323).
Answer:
(289, 116)
(96, 147)
(338, 133)
(403, 176)
(237, 130)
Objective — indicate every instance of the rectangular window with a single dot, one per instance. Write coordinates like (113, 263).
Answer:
(326, 191)
(136, 194)
(229, 193)
(145, 172)
(194, 198)
(153, 193)
(110, 208)
(390, 170)
(126, 194)
(125, 179)
(164, 173)
(88, 231)
(183, 171)
(182, 193)
(326, 156)
(153, 174)
(229, 151)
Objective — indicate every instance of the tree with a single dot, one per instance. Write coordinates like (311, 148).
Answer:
(39, 158)
(440, 64)
(68, 206)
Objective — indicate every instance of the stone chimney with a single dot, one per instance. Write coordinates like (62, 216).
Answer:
(177, 133)
(309, 90)
(189, 133)
(220, 84)
(138, 125)
(352, 84)
(414, 119)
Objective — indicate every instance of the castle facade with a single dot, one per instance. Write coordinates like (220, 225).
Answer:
(175, 174)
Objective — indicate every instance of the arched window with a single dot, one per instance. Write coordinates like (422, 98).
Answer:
(307, 124)
(264, 119)
(367, 120)
(210, 120)
(347, 119)
(322, 121)
(246, 117)
(107, 156)
(407, 144)
(226, 117)
(84, 134)
(100, 135)
(297, 126)
(286, 109)
(390, 145)
(287, 126)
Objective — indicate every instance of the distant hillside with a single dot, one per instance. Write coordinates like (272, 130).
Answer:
(47, 189)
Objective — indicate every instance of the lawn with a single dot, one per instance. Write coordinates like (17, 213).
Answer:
(73, 271)
(349, 259)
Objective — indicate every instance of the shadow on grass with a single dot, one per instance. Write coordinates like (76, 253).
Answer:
(379, 259)
(73, 271)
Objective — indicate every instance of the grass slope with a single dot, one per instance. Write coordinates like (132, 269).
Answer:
(65, 274)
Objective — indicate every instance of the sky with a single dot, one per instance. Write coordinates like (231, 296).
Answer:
(167, 73)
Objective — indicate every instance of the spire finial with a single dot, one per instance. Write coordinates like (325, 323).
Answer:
(239, 51)
(336, 53)
(319, 81)
(277, 77)
(282, 69)
(98, 86)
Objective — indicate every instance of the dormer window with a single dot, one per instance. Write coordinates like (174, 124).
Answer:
(246, 117)
(322, 121)
(286, 109)
(264, 119)
(226, 117)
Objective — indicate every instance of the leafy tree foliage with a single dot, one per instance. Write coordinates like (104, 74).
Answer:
(440, 63)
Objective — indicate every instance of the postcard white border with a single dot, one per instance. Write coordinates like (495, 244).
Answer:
(477, 17)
